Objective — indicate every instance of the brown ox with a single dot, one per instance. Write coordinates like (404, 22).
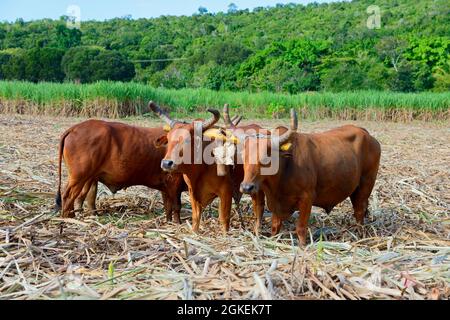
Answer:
(320, 169)
(119, 156)
(203, 181)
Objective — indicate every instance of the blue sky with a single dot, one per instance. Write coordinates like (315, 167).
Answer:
(103, 9)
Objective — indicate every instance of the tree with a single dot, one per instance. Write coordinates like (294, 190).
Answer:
(232, 8)
(44, 64)
(433, 51)
(412, 76)
(173, 77)
(226, 53)
(362, 72)
(67, 38)
(88, 64)
(402, 79)
(76, 63)
(298, 58)
(442, 77)
(423, 78)
(281, 76)
(37, 64)
(111, 65)
(392, 50)
(14, 68)
(202, 10)
(221, 77)
(263, 49)
(5, 58)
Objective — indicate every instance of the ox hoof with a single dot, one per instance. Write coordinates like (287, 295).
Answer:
(69, 215)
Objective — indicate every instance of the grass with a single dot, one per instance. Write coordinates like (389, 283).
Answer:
(117, 99)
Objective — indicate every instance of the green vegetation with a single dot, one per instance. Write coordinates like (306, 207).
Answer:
(122, 99)
(89, 64)
(288, 49)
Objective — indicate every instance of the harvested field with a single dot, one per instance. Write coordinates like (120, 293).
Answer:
(128, 251)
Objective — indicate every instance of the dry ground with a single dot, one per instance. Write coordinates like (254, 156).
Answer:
(403, 252)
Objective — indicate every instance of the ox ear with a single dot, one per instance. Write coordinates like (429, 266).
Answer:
(161, 141)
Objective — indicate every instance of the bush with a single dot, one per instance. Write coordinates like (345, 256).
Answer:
(89, 64)
(220, 78)
(361, 73)
(412, 76)
(442, 78)
(173, 77)
(76, 63)
(37, 64)
(5, 58)
(283, 67)
(279, 76)
(44, 64)
(111, 65)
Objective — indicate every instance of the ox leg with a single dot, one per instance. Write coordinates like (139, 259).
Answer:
(78, 204)
(167, 206)
(302, 222)
(176, 208)
(237, 201)
(79, 201)
(359, 207)
(239, 212)
(225, 212)
(258, 209)
(71, 193)
(360, 198)
(276, 224)
(92, 196)
(196, 212)
(172, 206)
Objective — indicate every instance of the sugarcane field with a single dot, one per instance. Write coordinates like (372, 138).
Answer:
(127, 250)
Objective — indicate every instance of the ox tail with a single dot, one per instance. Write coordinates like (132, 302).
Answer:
(60, 157)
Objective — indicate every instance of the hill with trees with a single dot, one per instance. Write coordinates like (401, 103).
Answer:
(288, 48)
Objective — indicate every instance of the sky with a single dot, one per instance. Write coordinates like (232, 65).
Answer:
(11, 10)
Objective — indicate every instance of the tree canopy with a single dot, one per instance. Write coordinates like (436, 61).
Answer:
(286, 48)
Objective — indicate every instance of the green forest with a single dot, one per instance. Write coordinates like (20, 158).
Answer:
(287, 49)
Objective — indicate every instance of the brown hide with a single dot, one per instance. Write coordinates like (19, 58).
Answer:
(119, 156)
(320, 169)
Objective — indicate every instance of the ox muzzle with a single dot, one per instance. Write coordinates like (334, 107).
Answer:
(249, 188)
(168, 165)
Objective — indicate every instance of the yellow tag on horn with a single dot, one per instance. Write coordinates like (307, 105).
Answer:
(166, 128)
(231, 137)
(286, 146)
(214, 133)
(217, 134)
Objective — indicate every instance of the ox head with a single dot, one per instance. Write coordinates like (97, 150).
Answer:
(181, 147)
(260, 155)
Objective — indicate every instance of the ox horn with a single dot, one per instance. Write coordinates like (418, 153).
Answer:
(236, 120)
(293, 128)
(226, 118)
(209, 123)
(156, 109)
